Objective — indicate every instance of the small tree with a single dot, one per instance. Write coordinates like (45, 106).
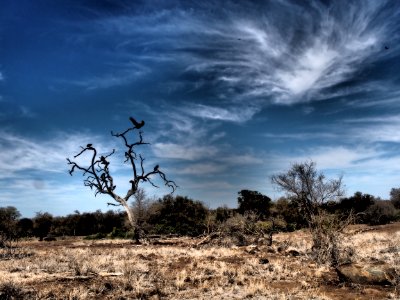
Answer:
(381, 212)
(310, 189)
(8, 220)
(98, 175)
(395, 197)
(42, 224)
(357, 204)
(140, 208)
(253, 201)
(178, 215)
(25, 227)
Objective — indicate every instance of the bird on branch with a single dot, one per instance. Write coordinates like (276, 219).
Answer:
(156, 168)
(89, 145)
(136, 123)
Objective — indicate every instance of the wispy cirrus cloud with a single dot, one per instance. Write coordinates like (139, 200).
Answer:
(36, 169)
(20, 155)
(247, 53)
(124, 75)
(235, 114)
(202, 169)
(183, 152)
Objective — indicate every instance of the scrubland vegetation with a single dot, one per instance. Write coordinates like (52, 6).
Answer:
(314, 243)
(179, 268)
(261, 250)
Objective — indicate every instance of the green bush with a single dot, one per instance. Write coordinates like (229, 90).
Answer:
(178, 215)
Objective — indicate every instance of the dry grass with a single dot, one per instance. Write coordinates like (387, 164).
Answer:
(79, 269)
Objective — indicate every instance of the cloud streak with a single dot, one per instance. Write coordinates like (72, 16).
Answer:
(20, 155)
(235, 114)
(272, 53)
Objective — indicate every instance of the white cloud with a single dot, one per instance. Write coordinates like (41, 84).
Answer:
(254, 59)
(310, 68)
(303, 135)
(202, 169)
(37, 170)
(235, 114)
(375, 129)
(19, 154)
(241, 159)
(183, 152)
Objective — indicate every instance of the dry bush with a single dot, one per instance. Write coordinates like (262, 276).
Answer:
(242, 230)
(328, 238)
(11, 291)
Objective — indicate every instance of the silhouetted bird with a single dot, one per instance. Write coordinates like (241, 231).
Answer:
(136, 123)
(386, 48)
(89, 145)
(156, 168)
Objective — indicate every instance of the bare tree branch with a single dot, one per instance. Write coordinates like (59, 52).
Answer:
(98, 176)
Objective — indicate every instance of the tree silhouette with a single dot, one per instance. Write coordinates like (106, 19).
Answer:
(254, 201)
(98, 177)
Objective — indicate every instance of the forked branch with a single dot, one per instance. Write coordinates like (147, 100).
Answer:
(97, 173)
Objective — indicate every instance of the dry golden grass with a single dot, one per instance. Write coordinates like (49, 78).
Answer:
(117, 269)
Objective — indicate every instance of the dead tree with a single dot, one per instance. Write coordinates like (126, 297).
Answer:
(98, 177)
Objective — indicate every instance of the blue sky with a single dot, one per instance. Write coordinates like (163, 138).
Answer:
(231, 92)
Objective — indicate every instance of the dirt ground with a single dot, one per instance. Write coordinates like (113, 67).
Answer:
(176, 268)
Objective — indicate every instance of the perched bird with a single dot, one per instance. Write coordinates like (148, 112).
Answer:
(89, 145)
(156, 168)
(136, 123)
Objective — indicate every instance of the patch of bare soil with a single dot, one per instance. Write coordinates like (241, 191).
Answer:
(178, 269)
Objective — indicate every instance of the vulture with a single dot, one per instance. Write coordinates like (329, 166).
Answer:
(136, 123)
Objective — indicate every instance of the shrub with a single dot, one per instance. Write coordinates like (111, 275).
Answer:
(119, 233)
(381, 212)
(178, 215)
(395, 197)
(8, 229)
(253, 201)
(10, 291)
(309, 190)
(289, 214)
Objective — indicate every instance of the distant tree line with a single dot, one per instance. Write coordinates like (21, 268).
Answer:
(184, 216)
